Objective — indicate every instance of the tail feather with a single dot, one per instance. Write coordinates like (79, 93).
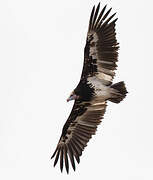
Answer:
(120, 92)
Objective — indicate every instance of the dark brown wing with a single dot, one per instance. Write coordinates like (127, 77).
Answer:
(101, 50)
(80, 126)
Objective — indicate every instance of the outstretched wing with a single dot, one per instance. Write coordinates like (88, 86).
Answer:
(100, 56)
(80, 126)
(100, 53)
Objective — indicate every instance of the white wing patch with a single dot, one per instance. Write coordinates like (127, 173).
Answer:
(100, 89)
(106, 77)
(103, 74)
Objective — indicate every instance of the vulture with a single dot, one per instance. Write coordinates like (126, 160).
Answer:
(94, 89)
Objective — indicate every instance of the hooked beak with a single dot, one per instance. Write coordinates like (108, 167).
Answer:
(72, 97)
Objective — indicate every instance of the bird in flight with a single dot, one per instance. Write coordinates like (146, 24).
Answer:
(94, 89)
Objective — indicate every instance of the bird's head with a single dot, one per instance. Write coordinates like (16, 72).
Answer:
(83, 92)
(73, 96)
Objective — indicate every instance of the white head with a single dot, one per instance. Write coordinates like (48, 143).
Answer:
(72, 96)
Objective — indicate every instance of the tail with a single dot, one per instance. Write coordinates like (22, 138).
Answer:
(120, 92)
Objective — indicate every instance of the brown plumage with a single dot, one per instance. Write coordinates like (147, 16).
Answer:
(94, 89)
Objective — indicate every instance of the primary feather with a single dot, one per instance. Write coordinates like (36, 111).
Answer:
(94, 89)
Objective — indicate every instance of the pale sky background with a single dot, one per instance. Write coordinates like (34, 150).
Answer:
(41, 57)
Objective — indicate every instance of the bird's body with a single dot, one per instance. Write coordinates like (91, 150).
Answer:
(94, 89)
(101, 90)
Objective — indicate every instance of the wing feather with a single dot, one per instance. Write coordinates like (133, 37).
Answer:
(105, 16)
(71, 155)
(101, 50)
(75, 151)
(91, 17)
(61, 158)
(100, 15)
(78, 131)
(95, 16)
(66, 159)
(57, 156)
